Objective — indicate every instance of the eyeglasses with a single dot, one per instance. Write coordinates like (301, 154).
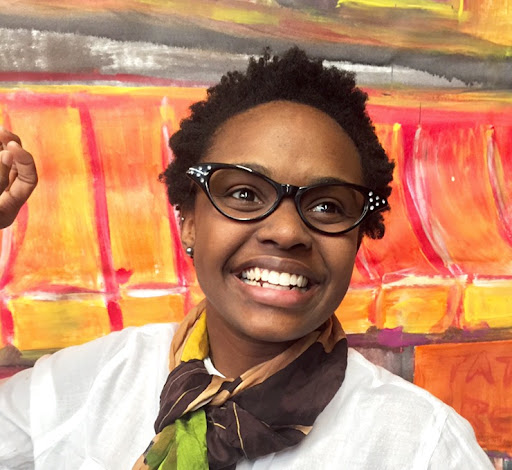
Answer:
(243, 194)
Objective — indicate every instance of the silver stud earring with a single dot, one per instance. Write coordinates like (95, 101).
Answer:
(190, 251)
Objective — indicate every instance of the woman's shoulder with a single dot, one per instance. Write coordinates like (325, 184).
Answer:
(389, 396)
(92, 368)
(387, 422)
(84, 392)
(132, 340)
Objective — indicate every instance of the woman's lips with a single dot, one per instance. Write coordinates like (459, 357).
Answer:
(276, 296)
(272, 279)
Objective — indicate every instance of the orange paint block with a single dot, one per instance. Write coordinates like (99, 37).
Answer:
(356, 309)
(418, 306)
(488, 303)
(175, 105)
(476, 379)
(54, 242)
(139, 311)
(50, 324)
(129, 143)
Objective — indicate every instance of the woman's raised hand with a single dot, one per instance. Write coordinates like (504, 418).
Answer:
(18, 176)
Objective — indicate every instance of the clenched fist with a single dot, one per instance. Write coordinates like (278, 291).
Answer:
(18, 176)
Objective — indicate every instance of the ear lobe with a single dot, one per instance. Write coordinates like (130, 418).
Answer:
(188, 229)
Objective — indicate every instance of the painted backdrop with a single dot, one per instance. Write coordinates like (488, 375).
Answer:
(95, 88)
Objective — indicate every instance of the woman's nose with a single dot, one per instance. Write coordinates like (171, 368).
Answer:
(285, 228)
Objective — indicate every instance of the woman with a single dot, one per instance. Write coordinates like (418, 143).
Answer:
(277, 175)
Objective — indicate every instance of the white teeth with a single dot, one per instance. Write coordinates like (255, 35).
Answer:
(273, 286)
(284, 279)
(272, 279)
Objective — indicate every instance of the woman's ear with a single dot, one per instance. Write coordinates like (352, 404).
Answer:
(187, 228)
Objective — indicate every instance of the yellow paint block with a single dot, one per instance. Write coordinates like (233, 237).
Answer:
(139, 311)
(488, 303)
(51, 324)
(417, 309)
(355, 310)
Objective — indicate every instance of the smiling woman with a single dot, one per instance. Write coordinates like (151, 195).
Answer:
(277, 175)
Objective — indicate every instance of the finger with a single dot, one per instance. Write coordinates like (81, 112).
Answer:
(7, 136)
(13, 174)
(26, 179)
(5, 169)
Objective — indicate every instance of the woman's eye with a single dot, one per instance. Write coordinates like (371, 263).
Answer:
(327, 208)
(245, 194)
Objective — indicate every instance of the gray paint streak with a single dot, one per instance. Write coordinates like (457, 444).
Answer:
(45, 51)
(155, 39)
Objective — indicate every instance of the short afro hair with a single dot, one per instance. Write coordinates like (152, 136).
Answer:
(292, 77)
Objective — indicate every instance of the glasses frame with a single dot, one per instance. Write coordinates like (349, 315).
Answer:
(201, 174)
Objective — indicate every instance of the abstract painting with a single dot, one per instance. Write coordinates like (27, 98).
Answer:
(95, 89)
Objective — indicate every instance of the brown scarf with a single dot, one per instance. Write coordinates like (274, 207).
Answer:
(269, 408)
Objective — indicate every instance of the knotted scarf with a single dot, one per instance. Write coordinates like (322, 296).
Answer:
(211, 422)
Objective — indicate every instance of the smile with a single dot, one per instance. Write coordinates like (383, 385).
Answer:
(274, 279)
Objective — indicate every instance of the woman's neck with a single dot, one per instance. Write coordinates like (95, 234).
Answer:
(233, 354)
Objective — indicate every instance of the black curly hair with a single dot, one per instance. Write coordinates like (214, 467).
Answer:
(292, 77)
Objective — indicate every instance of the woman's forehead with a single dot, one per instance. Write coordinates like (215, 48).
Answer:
(282, 138)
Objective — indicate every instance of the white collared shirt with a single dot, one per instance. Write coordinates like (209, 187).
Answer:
(92, 407)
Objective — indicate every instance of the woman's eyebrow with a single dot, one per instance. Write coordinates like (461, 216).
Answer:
(257, 167)
(320, 180)
(328, 180)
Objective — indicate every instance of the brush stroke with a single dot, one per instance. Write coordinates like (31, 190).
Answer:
(475, 380)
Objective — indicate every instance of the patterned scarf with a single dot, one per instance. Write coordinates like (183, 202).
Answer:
(210, 422)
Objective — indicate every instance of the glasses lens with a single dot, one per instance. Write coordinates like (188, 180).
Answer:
(241, 194)
(332, 208)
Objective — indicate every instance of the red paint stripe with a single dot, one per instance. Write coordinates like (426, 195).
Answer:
(455, 304)
(49, 77)
(504, 221)
(409, 139)
(7, 321)
(115, 315)
(187, 303)
(6, 275)
(101, 215)
(365, 267)
(375, 309)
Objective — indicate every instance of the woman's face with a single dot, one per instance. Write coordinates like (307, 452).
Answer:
(295, 144)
